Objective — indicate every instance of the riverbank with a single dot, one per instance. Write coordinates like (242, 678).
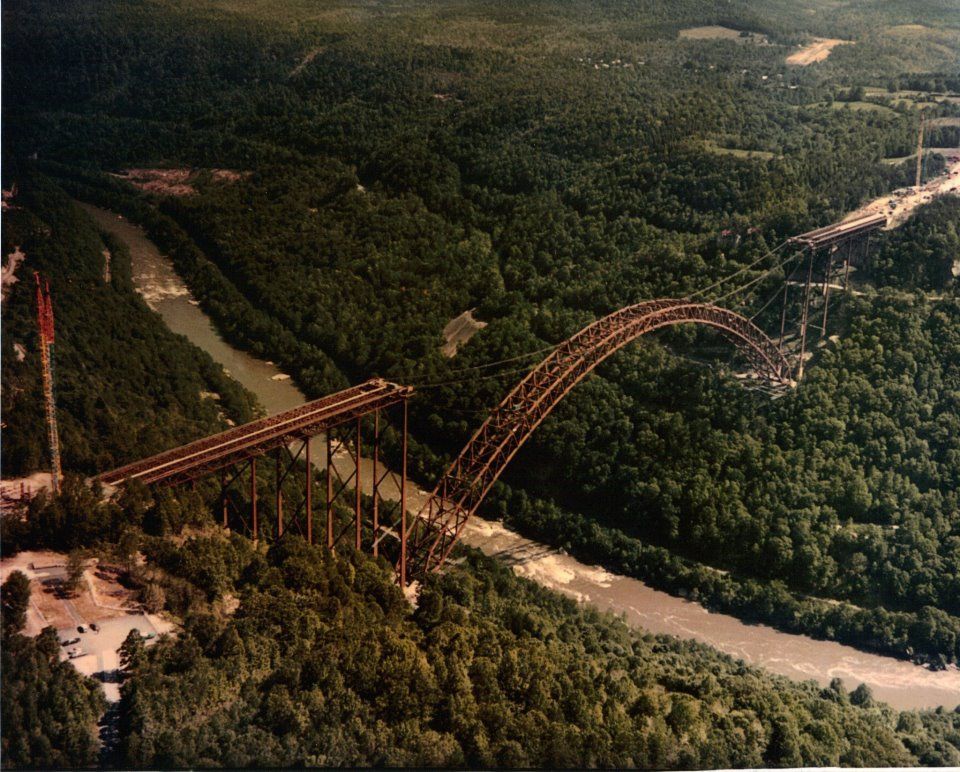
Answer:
(904, 685)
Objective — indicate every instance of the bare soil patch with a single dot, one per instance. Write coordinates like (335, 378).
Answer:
(307, 58)
(459, 330)
(178, 181)
(100, 596)
(816, 51)
(167, 182)
(10, 270)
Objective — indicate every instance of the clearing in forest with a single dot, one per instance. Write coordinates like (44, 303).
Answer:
(312, 54)
(175, 181)
(760, 155)
(716, 32)
(458, 331)
(816, 51)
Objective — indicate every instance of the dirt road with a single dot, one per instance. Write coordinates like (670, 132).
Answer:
(899, 205)
(816, 51)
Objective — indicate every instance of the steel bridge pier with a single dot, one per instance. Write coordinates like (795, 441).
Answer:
(347, 425)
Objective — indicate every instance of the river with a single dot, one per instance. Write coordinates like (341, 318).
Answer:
(901, 684)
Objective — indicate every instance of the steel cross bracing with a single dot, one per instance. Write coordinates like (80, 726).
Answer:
(469, 478)
(200, 458)
(344, 419)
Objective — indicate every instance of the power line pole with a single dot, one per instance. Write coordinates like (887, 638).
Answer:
(919, 154)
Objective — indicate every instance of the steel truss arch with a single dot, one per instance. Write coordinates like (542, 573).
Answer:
(481, 462)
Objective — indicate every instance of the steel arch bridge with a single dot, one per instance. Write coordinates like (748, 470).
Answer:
(484, 458)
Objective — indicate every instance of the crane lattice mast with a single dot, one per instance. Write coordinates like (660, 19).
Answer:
(45, 326)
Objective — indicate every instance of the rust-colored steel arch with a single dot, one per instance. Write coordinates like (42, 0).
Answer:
(483, 459)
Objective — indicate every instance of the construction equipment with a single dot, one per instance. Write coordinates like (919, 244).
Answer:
(45, 326)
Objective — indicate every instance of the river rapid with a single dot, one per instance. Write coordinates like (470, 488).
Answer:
(901, 684)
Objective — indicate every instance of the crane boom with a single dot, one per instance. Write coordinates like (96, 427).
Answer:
(46, 329)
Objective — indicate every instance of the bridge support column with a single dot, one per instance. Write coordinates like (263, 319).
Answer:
(223, 496)
(308, 493)
(805, 316)
(827, 278)
(357, 489)
(783, 311)
(403, 503)
(253, 500)
(279, 485)
(376, 484)
(329, 491)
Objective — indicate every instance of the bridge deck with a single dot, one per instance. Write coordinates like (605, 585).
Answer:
(257, 437)
(837, 232)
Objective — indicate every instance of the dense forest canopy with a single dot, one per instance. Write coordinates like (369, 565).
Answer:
(393, 165)
(323, 663)
(396, 172)
(545, 165)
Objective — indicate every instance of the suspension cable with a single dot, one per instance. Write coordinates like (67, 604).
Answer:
(733, 275)
(753, 281)
(412, 379)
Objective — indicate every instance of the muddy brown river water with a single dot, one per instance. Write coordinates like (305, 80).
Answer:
(902, 684)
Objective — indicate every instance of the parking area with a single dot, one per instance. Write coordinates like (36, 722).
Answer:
(101, 600)
(97, 650)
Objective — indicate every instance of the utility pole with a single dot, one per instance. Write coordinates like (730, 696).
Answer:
(919, 154)
(45, 326)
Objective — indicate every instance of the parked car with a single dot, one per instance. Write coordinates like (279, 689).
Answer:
(81, 629)
(74, 653)
(95, 627)
(69, 642)
(149, 636)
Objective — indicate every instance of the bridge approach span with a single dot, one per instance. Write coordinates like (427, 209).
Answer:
(253, 439)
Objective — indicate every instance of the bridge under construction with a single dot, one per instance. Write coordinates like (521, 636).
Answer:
(423, 544)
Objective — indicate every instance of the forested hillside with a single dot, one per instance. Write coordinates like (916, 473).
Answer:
(125, 385)
(325, 664)
(352, 178)
(546, 165)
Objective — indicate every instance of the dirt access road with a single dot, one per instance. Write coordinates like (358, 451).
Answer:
(899, 205)
(816, 51)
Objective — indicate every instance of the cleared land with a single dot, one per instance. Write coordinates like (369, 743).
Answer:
(816, 51)
(946, 152)
(869, 106)
(174, 182)
(759, 155)
(458, 331)
(899, 205)
(101, 599)
(912, 96)
(717, 32)
(100, 596)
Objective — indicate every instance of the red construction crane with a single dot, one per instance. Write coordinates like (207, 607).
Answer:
(45, 326)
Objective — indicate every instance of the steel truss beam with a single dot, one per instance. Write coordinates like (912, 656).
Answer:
(341, 418)
(198, 459)
(471, 475)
